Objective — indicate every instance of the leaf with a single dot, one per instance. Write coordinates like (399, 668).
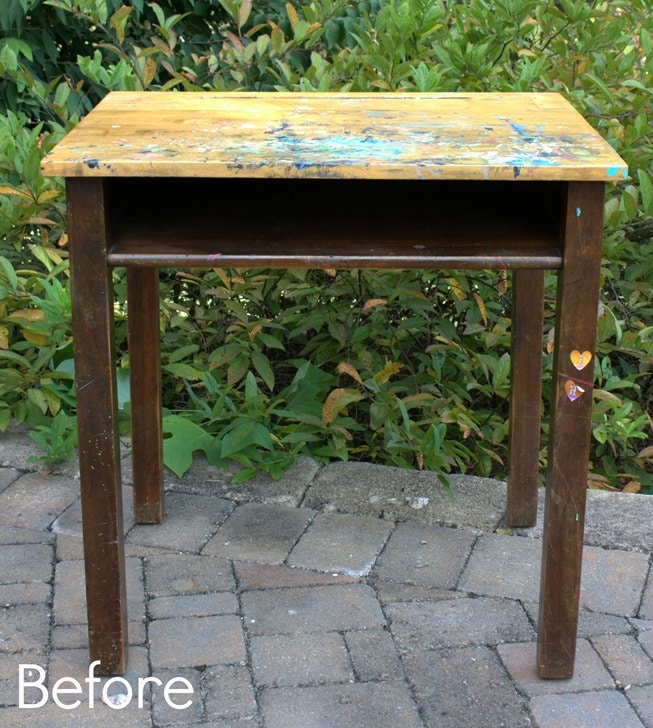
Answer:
(646, 453)
(37, 397)
(337, 401)
(14, 192)
(246, 432)
(185, 371)
(119, 20)
(262, 365)
(346, 368)
(243, 12)
(481, 307)
(185, 438)
(391, 368)
(292, 15)
(373, 302)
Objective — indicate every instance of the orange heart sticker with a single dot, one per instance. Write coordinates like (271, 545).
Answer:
(573, 390)
(580, 359)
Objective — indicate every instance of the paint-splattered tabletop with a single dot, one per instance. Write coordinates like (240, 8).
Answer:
(498, 136)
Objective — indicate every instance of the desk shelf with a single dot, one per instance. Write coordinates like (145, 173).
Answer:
(334, 223)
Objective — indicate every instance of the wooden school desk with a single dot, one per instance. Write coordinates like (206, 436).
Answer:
(487, 180)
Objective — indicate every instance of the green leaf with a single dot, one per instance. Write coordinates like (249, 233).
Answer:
(262, 365)
(184, 438)
(185, 371)
(646, 191)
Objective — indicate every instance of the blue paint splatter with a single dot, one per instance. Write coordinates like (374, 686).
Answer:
(516, 171)
(578, 212)
(92, 163)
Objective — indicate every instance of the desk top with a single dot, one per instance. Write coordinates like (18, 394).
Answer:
(496, 136)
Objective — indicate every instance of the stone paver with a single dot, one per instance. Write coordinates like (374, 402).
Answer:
(341, 543)
(359, 705)
(431, 556)
(642, 701)
(230, 696)
(193, 641)
(7, 477)
(613, 581)
(311, 609)
(331, 597)
(169, 574)
(36, 499)
(26, 563)
(272, 576)
(625, 659)
(300, 659)
(584, 710)
(504, 566)
(457, 623)
(465, 687)
(189, 522)
(193, 605)
(589, 673)
(374, 655)
(259, 532)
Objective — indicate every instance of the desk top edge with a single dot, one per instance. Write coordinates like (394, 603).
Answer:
(521, 136)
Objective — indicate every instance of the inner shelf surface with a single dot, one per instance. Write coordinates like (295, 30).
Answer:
(334, 223)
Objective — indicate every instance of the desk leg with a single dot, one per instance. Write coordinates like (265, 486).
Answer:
(569, 437)
(525, 395)
(99, 453)
(145, 380)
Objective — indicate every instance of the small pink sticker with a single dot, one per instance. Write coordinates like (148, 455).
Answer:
(573, 390)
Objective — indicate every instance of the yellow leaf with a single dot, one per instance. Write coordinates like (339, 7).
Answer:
(481, 307)
(634, 486)
(346, 368)
(647, 452)
(29, 314)
(392, 367)
(456, 289)
(337, 401)
(292, 15)
(14, 192)
(35, 337)
(244, 12)
(4, 337)
(149, 69)
(374, 302)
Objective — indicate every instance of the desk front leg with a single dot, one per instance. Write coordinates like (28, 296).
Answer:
(99, 452)
(570, 432)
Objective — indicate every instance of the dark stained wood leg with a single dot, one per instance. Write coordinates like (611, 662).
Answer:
(145, 379)
(99, 454)
(569, 437)
(525, 396)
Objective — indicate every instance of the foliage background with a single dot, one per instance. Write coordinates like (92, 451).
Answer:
(404, 368)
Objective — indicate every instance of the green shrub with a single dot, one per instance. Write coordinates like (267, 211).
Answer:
(403, 368)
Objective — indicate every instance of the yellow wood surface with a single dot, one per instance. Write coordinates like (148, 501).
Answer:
(523, 136)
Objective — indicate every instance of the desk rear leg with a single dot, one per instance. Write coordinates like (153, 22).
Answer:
(145, 384)
(525, 396)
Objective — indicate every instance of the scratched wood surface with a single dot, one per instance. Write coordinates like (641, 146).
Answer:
(402, 136)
